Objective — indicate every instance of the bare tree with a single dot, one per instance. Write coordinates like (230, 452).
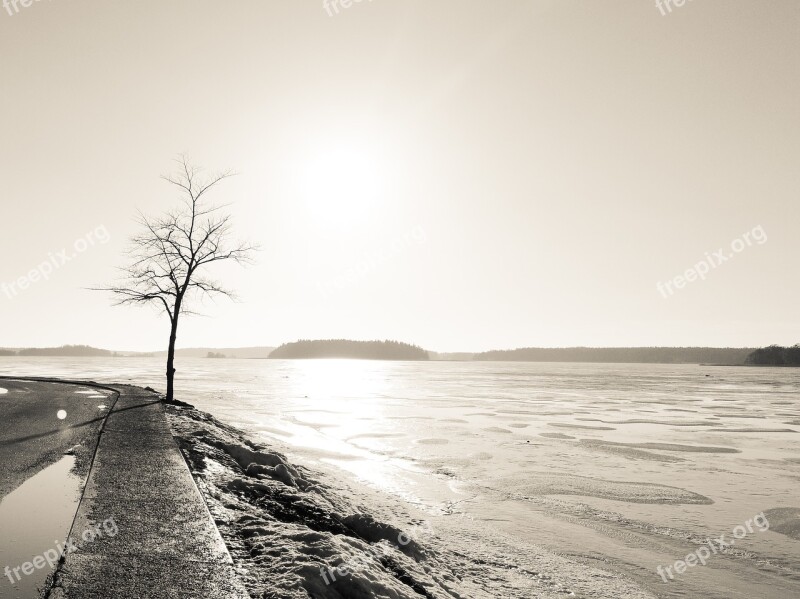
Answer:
(170, 255)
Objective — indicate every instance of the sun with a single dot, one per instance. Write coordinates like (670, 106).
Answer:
(341, 186)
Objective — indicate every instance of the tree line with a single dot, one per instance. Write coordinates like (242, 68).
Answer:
(775, 355)
(650, 355)
(76, 351)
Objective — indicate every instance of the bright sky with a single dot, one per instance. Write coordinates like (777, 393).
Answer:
(461, 175)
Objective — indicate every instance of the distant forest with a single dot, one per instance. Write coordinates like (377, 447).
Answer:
(342, 348)
(77, 351)
(649, 355)
(775, 355)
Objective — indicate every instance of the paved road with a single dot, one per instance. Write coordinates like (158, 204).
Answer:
(158, 538)
(32, 436)
(161, 540)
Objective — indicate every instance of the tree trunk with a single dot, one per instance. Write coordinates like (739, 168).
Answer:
(171, 360)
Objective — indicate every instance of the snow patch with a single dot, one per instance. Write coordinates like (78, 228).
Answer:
(290, 536)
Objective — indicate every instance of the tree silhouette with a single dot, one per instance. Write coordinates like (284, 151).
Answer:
(170, 255)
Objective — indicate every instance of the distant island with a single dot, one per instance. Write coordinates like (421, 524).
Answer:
(343, 348)
(775, 355)
(72, 351)
(729, 356)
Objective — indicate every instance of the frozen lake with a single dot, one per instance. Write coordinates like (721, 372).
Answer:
(620, 467)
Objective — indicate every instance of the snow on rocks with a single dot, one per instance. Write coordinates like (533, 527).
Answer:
(292, 537)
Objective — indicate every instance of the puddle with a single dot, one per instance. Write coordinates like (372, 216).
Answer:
(33, 518)
(3, 391)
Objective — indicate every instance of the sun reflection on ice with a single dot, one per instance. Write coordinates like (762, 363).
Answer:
(336, 402)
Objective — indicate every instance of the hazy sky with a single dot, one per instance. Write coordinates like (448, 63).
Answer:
(461, 175)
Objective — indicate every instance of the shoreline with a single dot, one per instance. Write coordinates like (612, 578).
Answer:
(286, 530)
